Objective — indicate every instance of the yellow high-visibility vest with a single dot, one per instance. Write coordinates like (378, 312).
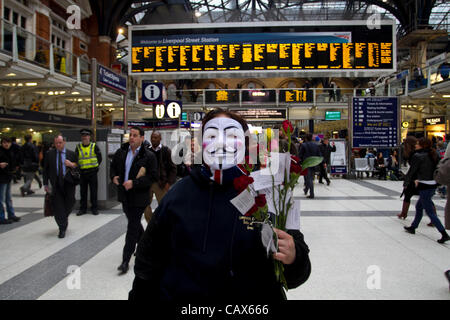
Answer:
(87, 158)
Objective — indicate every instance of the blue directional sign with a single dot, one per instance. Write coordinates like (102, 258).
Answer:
(375, 122)
(112, 80)
(152, 92)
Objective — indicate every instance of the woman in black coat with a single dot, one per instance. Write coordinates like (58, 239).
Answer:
(197, 248)
(423, 165)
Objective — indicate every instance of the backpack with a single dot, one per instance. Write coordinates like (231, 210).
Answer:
(442, 172)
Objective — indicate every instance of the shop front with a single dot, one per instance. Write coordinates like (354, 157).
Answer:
(434, 127)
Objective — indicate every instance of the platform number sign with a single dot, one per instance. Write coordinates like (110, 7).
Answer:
(169, 110)
(152, 92)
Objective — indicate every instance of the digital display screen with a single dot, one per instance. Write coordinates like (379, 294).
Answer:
(219, 49)
(332, 115)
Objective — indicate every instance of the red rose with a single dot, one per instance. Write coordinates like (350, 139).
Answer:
(304, 172)
(295, 168)
(287, 127)
(295, 159)
(251, 211)
(241, 183)
(260, 200)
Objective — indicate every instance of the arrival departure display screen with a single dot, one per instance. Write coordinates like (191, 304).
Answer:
(289, 49)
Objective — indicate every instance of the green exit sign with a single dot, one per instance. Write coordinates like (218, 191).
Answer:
(332, 115)
(184, 116)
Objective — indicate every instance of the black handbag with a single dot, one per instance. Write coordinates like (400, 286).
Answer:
(72, 176)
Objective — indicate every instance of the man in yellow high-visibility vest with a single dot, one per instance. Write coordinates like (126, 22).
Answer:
(89, 160)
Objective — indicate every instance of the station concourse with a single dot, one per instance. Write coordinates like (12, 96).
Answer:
(363, 75)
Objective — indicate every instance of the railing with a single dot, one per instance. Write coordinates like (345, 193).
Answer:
(21, 44)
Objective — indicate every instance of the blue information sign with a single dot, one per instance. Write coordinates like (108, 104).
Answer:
(375, 122)
(152, 92)
(112, 80)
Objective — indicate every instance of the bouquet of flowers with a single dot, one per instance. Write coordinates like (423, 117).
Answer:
(273, 206)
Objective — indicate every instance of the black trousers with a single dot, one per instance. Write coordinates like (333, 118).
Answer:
(309, 181)
(63, 200)
(323, 173)
(91, 181)
(134, 229)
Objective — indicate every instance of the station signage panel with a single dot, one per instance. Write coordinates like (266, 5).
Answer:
(332, 115)
(152, 92)
(112, 80)
(296, 96)
(221, 96)
(375, 122)
(249, 47)
(168, 110)
(258, 114)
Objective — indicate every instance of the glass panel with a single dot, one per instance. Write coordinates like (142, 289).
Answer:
(6, 39)
(23, 22)
(6, 13)
(15, 18)
(85, 70)
(64, 61)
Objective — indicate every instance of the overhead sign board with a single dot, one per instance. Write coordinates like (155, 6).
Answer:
(268, 47)
(112, 80)
(375, 122)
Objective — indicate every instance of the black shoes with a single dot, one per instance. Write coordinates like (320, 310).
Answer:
(328, 182)
(40, 184)
(321, 182)
(81, 212)
(94, 212)
(305, 191)
(61, 234)
(14, 219)
(4, 221)
(444, 238)
(310, 197)
(22, 192)
(123, 268)
(410, 230)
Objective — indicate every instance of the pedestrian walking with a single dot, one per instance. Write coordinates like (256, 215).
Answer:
(133, 171)
(309, 149)
(325, 150)
(7, 168)
(30, 165)
(423, 165)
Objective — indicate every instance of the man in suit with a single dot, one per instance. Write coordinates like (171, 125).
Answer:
(309, 149)
(167, 171)
(56, 166)
(133, 170)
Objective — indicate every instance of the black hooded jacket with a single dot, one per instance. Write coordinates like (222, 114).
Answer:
(196, 248)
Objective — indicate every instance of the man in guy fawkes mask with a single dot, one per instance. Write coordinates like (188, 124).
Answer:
(197, 248)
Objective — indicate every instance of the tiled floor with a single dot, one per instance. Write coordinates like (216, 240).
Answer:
(358, 249)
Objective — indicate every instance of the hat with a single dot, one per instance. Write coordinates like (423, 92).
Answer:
(84, 132)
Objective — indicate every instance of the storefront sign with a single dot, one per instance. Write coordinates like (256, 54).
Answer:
(112, 80)
(252, 96)
(433, 121)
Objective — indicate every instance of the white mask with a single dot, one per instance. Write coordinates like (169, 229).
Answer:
(223, 143)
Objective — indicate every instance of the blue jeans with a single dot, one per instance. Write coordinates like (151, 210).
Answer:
(425, 202)
(5, 199)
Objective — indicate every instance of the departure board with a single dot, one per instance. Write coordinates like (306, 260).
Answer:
(247, 49)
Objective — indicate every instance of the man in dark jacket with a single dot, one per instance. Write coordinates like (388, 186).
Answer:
(57, 164)
(30, 165)
(309, 149)
(325, 150)
(89, 160)
(133, 170)
(167, 171)
(7, 167)
(17, 155)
